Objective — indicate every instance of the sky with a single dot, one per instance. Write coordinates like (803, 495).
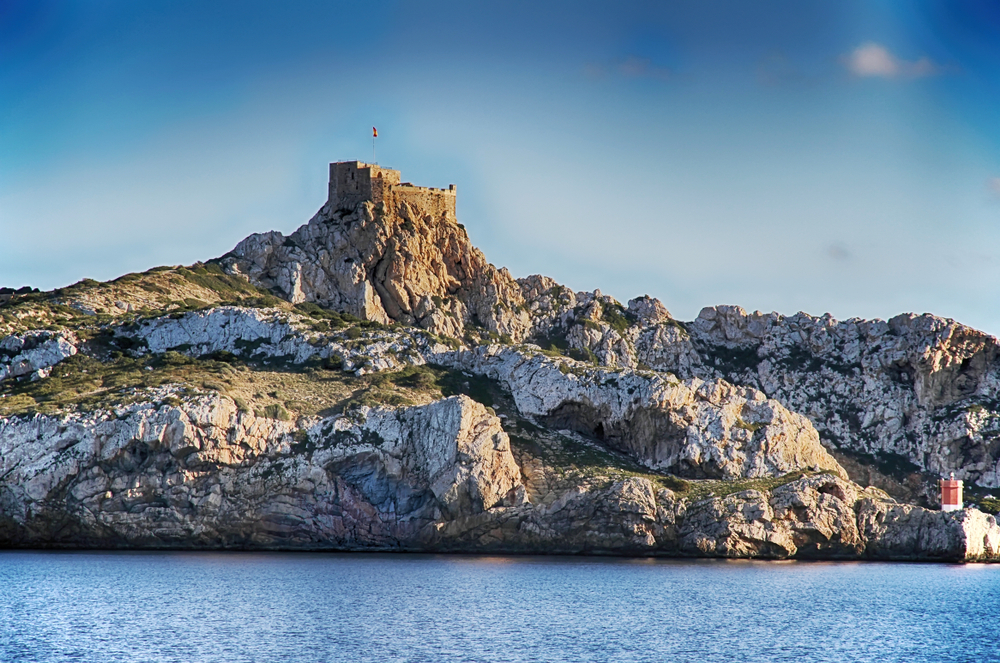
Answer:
(829, 157)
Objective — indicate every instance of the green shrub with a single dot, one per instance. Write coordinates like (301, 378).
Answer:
(616, 316)
(225, 356)
(584, 354)
(753, 428)
(990, 505)
(276, 411)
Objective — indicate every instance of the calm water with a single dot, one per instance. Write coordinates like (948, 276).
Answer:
(194, 607)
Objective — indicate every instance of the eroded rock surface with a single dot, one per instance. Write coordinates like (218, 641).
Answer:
(277, 334)
(387, 257)
(918, 393)
(695, 428)
(918, 387)
(33, 354)
(438, 477)
(608, 405)
(204, 474)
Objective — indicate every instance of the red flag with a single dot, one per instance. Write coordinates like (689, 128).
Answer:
(374, 132)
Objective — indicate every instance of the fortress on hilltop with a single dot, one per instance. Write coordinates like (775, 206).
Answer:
(352, 182)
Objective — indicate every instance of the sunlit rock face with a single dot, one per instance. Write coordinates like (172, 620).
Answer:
(33, 354)
(458, 409)
(694, 428)
(205, 474)
(921, 388)
(387, 252)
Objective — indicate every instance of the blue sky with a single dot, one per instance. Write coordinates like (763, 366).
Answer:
(836, 157)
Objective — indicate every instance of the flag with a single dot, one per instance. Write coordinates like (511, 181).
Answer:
(374, 132)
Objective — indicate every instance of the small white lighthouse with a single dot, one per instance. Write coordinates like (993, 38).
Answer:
(951, 494)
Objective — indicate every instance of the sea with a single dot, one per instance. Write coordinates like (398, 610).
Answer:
(195, 607)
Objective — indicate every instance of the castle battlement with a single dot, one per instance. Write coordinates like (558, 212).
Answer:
(353, 182)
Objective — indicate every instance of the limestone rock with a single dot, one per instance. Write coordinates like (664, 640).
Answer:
(648, 310)
(815, 517)
(809, 517)
(34, 353)
(274, 333)
(386, 253)
(693, 428)
(921, 388)
(203, 474)
(433, 478)
(903, 531)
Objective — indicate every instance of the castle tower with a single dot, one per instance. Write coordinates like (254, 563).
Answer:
(354, 182)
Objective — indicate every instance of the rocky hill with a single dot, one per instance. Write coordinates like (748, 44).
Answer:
(371, 382)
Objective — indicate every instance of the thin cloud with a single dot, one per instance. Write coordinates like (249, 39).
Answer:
(776, 70)
(633, 67)
(595, 71)
(993, 185)
(838, 252)
(871, 60)
(630, 67)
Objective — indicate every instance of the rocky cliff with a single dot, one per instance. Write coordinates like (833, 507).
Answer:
(915, 397)
(388, 263)
(371, 382)
(203, 474)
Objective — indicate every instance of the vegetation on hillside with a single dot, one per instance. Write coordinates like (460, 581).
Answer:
(90, 303)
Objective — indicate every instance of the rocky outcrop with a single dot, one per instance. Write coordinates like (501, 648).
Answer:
(387, 263)
(903, 531)
(33, 354)
(694, 428)
(918, 387)
(437, 477)
(204, 474)
(916, 393)
(275, 334)
(825, 517)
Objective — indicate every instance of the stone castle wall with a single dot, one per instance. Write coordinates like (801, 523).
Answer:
(436, 202)
(352, 182)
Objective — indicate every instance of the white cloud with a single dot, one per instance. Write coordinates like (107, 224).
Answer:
(874, 60)
(993, 184)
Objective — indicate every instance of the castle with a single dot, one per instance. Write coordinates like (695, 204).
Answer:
(352, 182)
